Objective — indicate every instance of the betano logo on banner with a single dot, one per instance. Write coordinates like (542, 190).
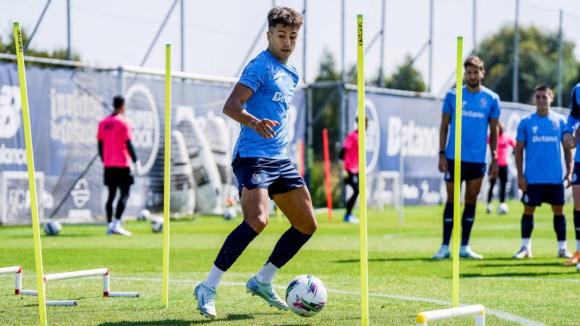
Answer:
(10, 122)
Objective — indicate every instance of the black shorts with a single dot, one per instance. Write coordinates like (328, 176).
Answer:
(469, 170)
(118, 176)
(278, 176)
(536, 194)
(576, 174)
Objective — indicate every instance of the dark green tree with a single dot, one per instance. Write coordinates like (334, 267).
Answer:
(406, 77)
(538, 63)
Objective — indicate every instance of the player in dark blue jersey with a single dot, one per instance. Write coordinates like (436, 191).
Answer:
(260, 103)
(539, 139)
(480, 112)
(570, 142)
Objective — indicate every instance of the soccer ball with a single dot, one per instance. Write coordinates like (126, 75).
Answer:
(144, 215)
(230, 213)
(306, 295)
(157, 224)
(503, 208)
(52, 227)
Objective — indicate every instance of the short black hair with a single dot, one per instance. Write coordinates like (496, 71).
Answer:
(285, 16)
(118, 102)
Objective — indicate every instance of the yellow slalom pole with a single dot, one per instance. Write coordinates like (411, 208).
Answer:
(362, 177)
(457, 170)
(166, 177)
(31, 174)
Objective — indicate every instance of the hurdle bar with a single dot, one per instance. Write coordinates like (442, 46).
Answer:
(17, 270)
(92, 272)
(477, 310)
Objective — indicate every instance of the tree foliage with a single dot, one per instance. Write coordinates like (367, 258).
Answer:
(538, 63)
(406, 77)
(9, 46)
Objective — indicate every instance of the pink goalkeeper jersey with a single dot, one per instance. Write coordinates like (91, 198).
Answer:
(114, 131)
(351, 154)
(504, 141)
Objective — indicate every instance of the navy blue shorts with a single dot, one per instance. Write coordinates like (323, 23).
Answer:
(536, 194)
(278, 176)
(469, 170)
(576, 174)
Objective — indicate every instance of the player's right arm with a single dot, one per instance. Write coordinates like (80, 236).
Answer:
(519, 152)
(234, 109)
(443, 131)
(522, 183)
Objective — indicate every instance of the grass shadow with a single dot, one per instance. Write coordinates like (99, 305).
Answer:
(508, 275)
(346, 261)
(181, 322)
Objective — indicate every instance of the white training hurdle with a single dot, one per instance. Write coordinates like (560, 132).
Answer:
(477, 310)
(17, 270)
(63, 276)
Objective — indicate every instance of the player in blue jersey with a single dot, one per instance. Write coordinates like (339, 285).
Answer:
(570, 142)
(480, 111)
(260, 102)
(540, 137)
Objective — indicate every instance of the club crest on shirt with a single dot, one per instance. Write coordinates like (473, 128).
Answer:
(526, 199)
(482, 103)
(256, 178)
(554, 125)
(535, 129)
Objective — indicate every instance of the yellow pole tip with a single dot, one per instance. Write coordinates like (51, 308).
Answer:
(359, 16)
(421, 319)
(16, 24)
(168, 46)
(460, 38)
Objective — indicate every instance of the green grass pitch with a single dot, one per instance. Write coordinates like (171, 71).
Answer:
(403, 280)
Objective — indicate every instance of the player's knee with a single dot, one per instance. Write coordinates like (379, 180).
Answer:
(308, 227)
(258, 224)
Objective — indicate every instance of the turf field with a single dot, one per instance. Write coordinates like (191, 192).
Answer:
(403, 280)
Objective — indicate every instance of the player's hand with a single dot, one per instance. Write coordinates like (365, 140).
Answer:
(493, 170)
(568, 141)
(568, 180)
(522, 183)
(136, 169)
(264, 128)
(442, 164)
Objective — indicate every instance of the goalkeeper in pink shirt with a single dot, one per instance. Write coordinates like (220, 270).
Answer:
(117, 153)
(504, 142)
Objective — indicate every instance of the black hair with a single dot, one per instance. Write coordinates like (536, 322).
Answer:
(118, 102)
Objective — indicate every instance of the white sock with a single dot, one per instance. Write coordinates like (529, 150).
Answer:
(578, 245)
(266, 274)
(214, 277)
(561, 245)
(527, 242)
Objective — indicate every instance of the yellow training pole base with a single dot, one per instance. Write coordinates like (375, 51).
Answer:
(477, 310)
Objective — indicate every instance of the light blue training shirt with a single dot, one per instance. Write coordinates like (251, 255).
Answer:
(478, 108)
(273, 84)
(543, 148)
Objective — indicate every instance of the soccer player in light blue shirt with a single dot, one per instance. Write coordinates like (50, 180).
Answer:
(260, 103)
(539, 146)
(480, 110)
(570, 141)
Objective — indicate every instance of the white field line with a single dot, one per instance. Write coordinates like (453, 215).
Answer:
(493, 312)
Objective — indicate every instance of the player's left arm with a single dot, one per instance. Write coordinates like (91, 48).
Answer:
(569, 167)
(493, 169)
